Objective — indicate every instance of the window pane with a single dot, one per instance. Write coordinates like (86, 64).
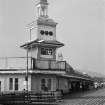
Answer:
(16, 83)
(46, 51)
(43, 52)
(10, 83)
(50, 51)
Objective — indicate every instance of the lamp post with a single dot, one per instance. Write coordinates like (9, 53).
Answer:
(26, 78)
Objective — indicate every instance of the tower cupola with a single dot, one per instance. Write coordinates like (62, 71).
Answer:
(43, 43)
(42, 8)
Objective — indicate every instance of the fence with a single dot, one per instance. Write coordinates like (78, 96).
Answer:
(21, 63)
(48, 98)
(49, 64)
(14, 62)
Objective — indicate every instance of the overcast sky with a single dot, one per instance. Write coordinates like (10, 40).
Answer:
(80, 28)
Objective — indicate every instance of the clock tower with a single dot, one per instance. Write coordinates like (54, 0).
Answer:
(43, 43)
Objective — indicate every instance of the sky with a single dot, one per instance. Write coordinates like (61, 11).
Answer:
(80, 27)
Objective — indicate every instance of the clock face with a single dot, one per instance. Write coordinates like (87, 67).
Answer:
(42, 32)
(50, 33)
(47, 32)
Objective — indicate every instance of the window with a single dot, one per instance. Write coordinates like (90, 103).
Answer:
(10, 83)
(43, 52)
(46, 51)
(50, 51)
(16, 83)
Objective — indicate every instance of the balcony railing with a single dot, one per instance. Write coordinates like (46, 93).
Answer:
(49, 65)
(14, 62)
(34, 64)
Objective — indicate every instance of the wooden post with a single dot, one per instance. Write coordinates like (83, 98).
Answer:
(26, 78)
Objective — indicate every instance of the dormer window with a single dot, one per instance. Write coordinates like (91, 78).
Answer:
(46, 51)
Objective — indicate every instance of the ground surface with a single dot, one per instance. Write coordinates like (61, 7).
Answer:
(96, 97)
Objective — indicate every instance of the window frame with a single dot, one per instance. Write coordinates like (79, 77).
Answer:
(46, 51)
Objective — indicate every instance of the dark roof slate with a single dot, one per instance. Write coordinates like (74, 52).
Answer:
(37, 41)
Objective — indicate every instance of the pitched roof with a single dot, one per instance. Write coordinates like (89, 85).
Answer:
(70, 72)
(42, 42)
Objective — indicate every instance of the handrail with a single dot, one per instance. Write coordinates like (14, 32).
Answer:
(34, 64)
(22, 97)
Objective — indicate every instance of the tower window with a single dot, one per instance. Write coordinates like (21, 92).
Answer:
(46, 51)
(50, 51)
(43, 51)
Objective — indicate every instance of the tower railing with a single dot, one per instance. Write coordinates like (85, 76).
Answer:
(34, 64)
(49, 65)
(14, 62)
